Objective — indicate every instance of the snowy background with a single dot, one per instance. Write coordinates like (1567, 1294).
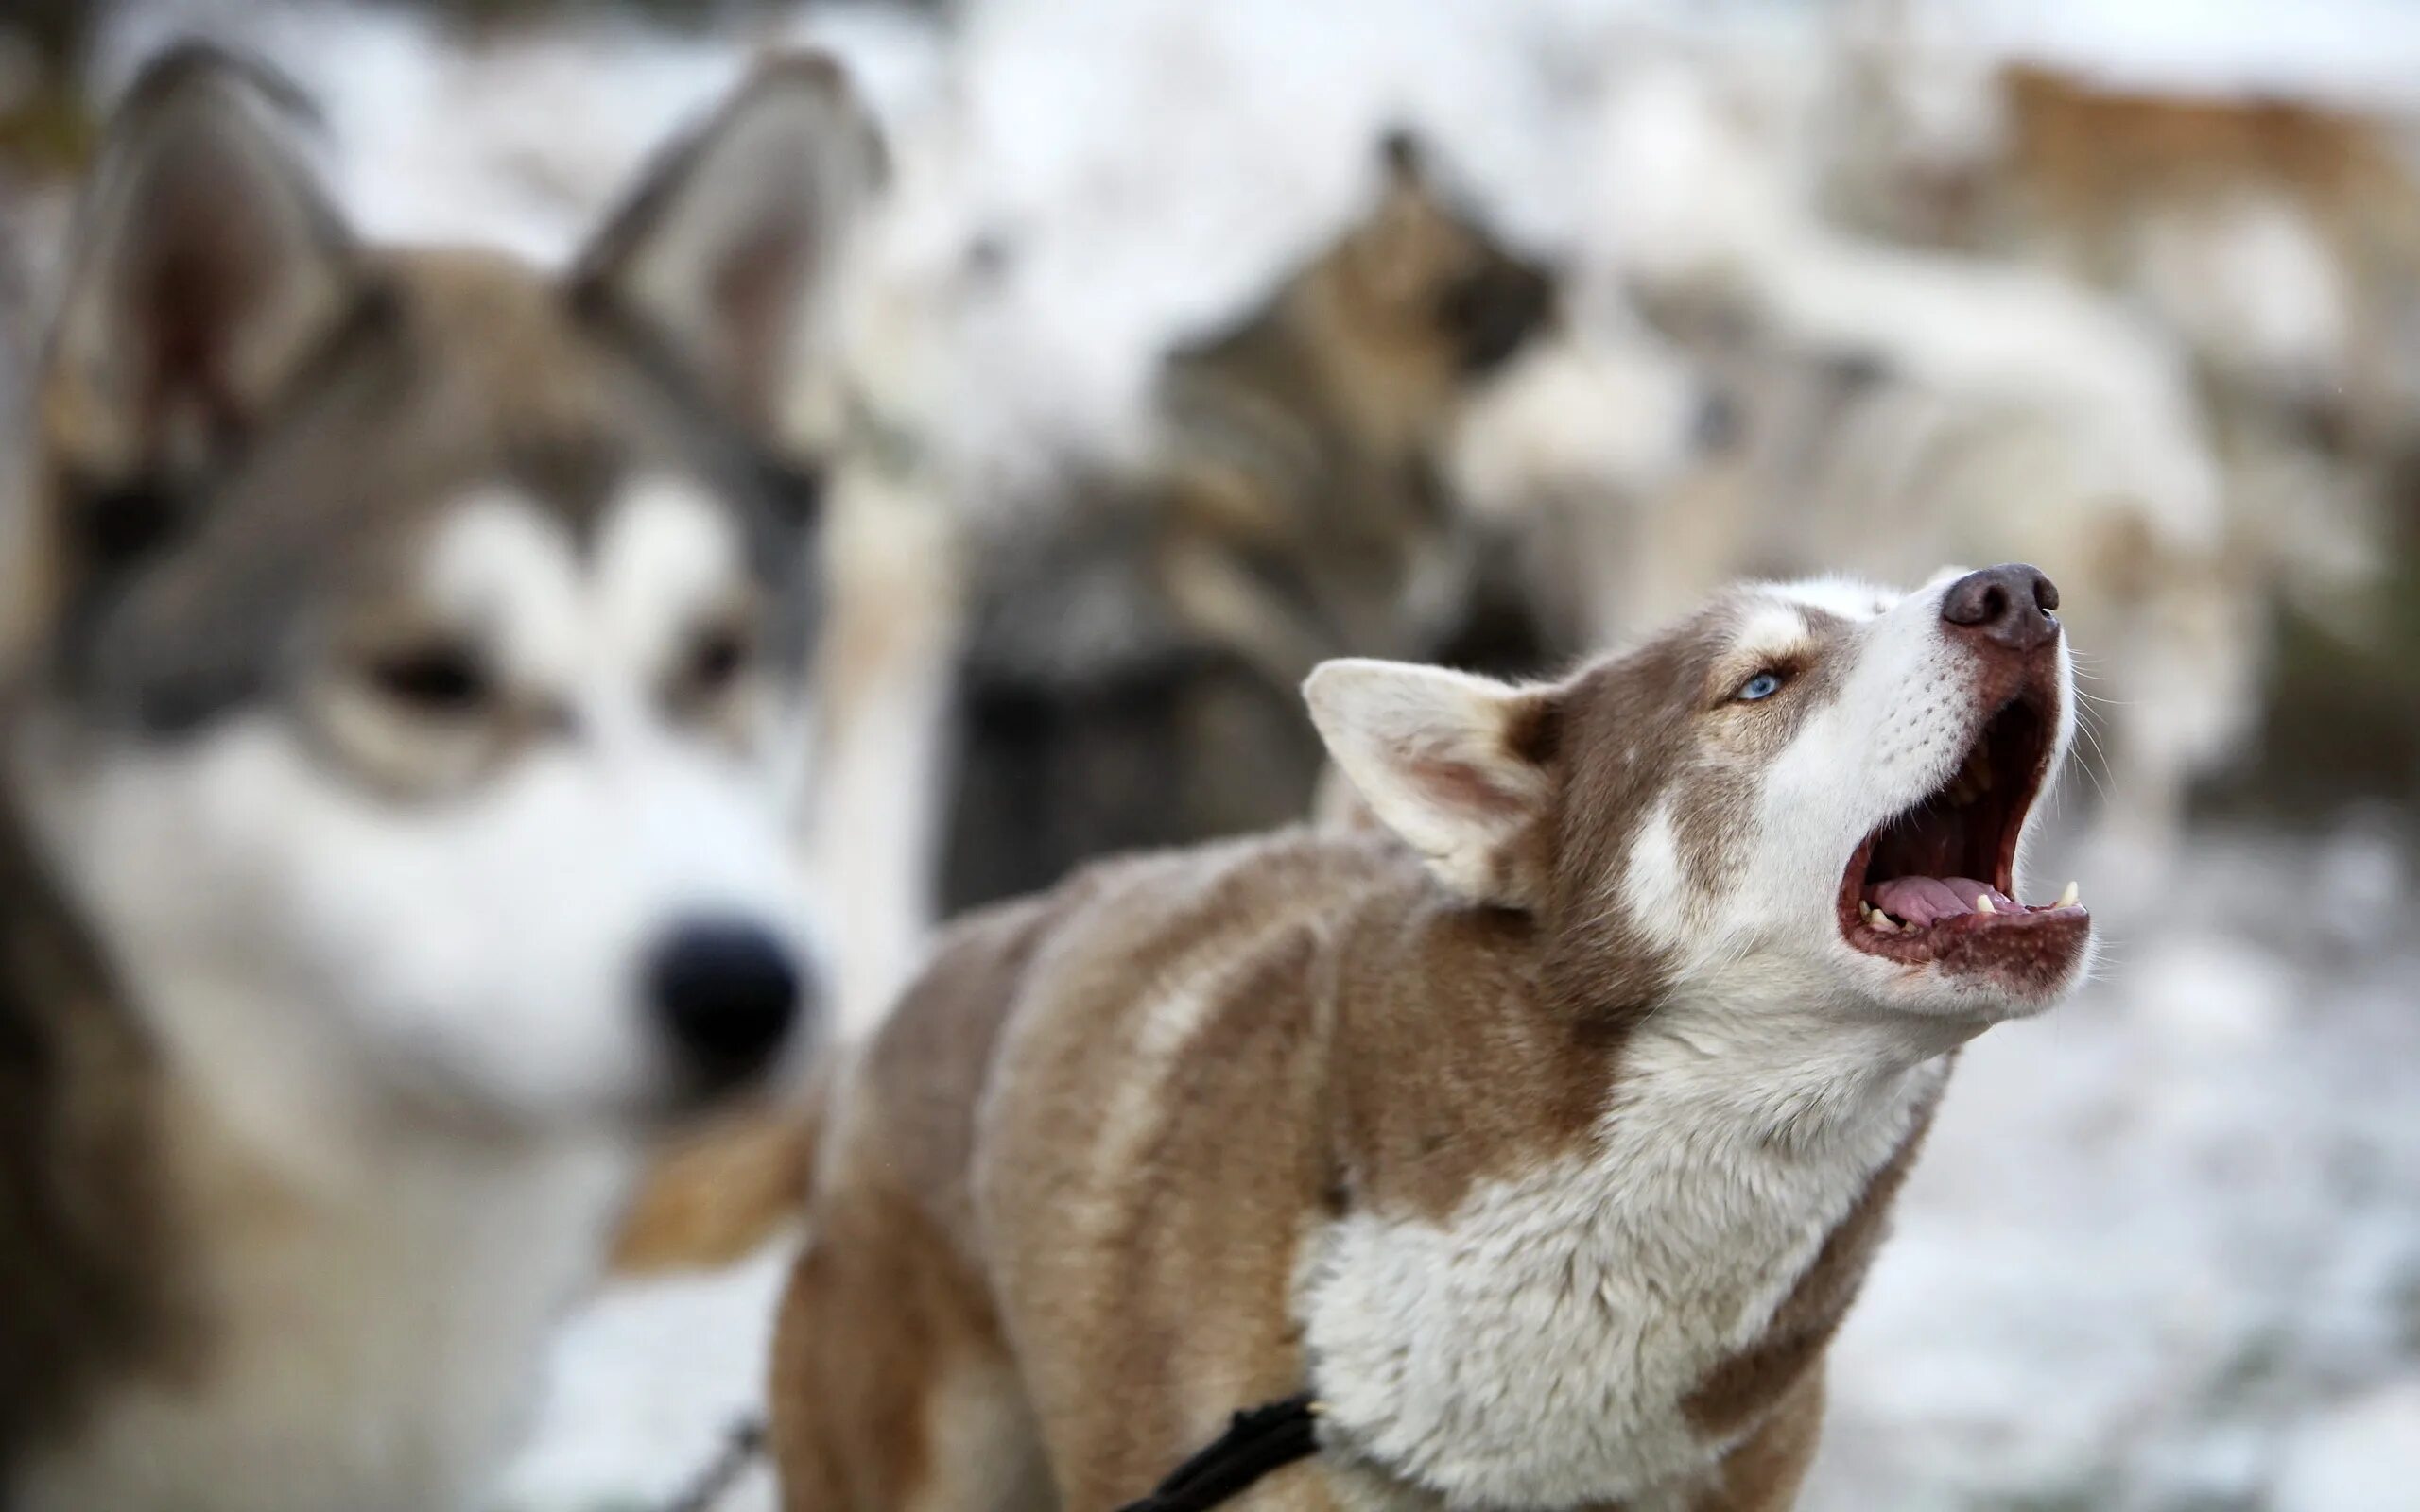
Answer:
(2164, 1251)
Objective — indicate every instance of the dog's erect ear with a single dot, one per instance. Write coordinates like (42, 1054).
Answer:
(1400, 244)
(723, 253)
(1456, 766)
(207, 265)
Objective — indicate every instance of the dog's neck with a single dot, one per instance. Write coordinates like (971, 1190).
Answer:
(1798, 1074)
(1581, 1298)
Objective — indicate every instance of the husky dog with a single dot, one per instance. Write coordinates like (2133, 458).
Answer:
(402, 694)
(1543, 1133)
(1130, 666)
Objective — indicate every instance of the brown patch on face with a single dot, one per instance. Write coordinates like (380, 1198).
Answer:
(1713, 803)
(1753, 1382)
(1628, 733)
(89, 1243)
(1660, 722)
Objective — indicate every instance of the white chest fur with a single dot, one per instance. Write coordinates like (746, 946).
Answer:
(374, 1350)
(1534, 1349)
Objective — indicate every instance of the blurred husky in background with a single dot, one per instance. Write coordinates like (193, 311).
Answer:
(403, 698)
(1883, 407)
(2275, 238)
(1130, 654)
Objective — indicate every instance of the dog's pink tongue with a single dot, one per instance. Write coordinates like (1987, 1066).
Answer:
(1921, 901)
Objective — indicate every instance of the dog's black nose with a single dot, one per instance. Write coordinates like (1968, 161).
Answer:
(2009, 604)
(728, 993)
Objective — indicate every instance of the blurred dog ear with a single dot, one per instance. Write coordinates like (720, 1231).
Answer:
(207, 265)
(1456, 766)
(1402, 243)
(722, 254)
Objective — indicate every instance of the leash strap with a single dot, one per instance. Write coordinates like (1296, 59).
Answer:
(1258, 1441)
(741, 1448)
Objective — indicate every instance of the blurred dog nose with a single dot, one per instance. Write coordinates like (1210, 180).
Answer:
(727, 992)
(2009, 604)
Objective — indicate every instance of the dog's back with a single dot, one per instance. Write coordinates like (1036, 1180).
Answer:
(1155, 1012)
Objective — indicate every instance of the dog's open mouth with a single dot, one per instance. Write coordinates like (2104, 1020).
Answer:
(1936, 883)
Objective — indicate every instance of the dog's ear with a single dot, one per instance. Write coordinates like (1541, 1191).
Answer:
(1400, 244)
(207, 265)
(722, 253)
(1459, 767)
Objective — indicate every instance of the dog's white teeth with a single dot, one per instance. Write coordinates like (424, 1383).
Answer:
(2070, 897)
(1882, 921)
(1983, 903)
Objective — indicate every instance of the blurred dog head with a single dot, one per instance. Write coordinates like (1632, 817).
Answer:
(411, 686)
(1421, 295)
(1131, 669)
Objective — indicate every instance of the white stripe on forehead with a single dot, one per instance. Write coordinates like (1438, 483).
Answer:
(508, 571)
(666, 555)
(1850, 599)
(1769, 628)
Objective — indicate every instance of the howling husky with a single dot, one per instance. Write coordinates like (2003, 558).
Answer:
(402, 698)
(1542, 1127)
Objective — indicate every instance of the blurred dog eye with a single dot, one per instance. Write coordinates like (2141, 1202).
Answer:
(439, 679)
(717, 658)
(1763, 685)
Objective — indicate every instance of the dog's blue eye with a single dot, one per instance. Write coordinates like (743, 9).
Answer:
(1763, 685)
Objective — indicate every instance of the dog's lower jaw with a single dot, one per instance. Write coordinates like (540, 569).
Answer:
(372, 1341)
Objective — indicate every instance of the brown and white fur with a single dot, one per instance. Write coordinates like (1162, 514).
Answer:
(1544, 1131)
(403, 696)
